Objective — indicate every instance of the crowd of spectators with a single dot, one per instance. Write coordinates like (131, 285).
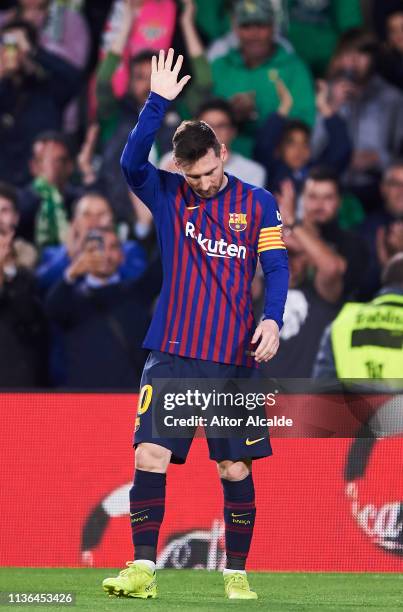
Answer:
(307, 96)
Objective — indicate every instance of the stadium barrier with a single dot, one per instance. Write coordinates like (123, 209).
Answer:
(66, 468)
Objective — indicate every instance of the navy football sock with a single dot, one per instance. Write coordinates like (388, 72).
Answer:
(239, 516)
(147, 506)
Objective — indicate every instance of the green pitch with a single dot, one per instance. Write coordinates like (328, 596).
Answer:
(188, 590)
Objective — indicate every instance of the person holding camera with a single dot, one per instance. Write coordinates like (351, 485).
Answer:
(35, 86)
(95, 310)
(91, 211)
(372, 109)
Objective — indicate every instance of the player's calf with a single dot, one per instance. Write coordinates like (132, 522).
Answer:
(239, 517)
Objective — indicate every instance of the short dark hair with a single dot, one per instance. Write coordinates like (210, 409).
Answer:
(53, 136)
(323, 174)
(192, 140)
(395, 8)
(142, 57)
(357, 39)
(392, 274)
(217, 104)
(294, 125)
(9, 192)
(395, 163)
(22, 24)
(92, 195)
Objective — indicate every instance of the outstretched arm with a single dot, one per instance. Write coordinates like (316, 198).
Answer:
(108, 105)
(339, 148)
(143, 178)
(202, 82)
(269, 134)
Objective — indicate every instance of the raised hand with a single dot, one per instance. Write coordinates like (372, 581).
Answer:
(86, 154)
(341, 92)
(394, 237)
(244, 105)
(164, 78)
(323, 98)
(286, 199)
(130, 11)
(22, 41)
(91, 260)
(285, 97)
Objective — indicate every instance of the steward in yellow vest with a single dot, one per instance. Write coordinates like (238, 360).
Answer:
(366, 340)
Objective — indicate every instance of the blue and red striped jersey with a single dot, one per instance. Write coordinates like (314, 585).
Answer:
(209, 250)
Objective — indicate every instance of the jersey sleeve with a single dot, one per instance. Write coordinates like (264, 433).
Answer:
(144, 179)
(273, 258)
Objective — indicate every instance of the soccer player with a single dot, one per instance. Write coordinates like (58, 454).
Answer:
(211, 229)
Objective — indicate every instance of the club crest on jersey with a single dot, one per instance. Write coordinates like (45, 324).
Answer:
(237, 222)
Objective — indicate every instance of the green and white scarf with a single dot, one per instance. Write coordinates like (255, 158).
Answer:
(51, 221)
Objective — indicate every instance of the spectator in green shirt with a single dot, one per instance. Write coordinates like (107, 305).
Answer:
(247, 75)
(314, 28)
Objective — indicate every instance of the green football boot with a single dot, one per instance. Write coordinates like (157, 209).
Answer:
(237, 587)
(137, 580)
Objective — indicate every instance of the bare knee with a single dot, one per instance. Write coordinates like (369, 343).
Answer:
(152, 458)
(234, 470)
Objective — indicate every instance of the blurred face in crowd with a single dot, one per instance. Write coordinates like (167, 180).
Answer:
(220, 122)
(355, 62)
(256, 41)
(394, 28)
(140, 78)
(392, 191)
(295, 150)
(92, 212)
(34, 11)
(51, 160)
(321, 201)
(8, 215)
(112, 255)
(206, 175)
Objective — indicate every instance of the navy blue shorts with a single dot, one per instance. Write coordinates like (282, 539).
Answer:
(166, 366)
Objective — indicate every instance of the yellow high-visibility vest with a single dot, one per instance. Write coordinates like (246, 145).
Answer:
(367, 339)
